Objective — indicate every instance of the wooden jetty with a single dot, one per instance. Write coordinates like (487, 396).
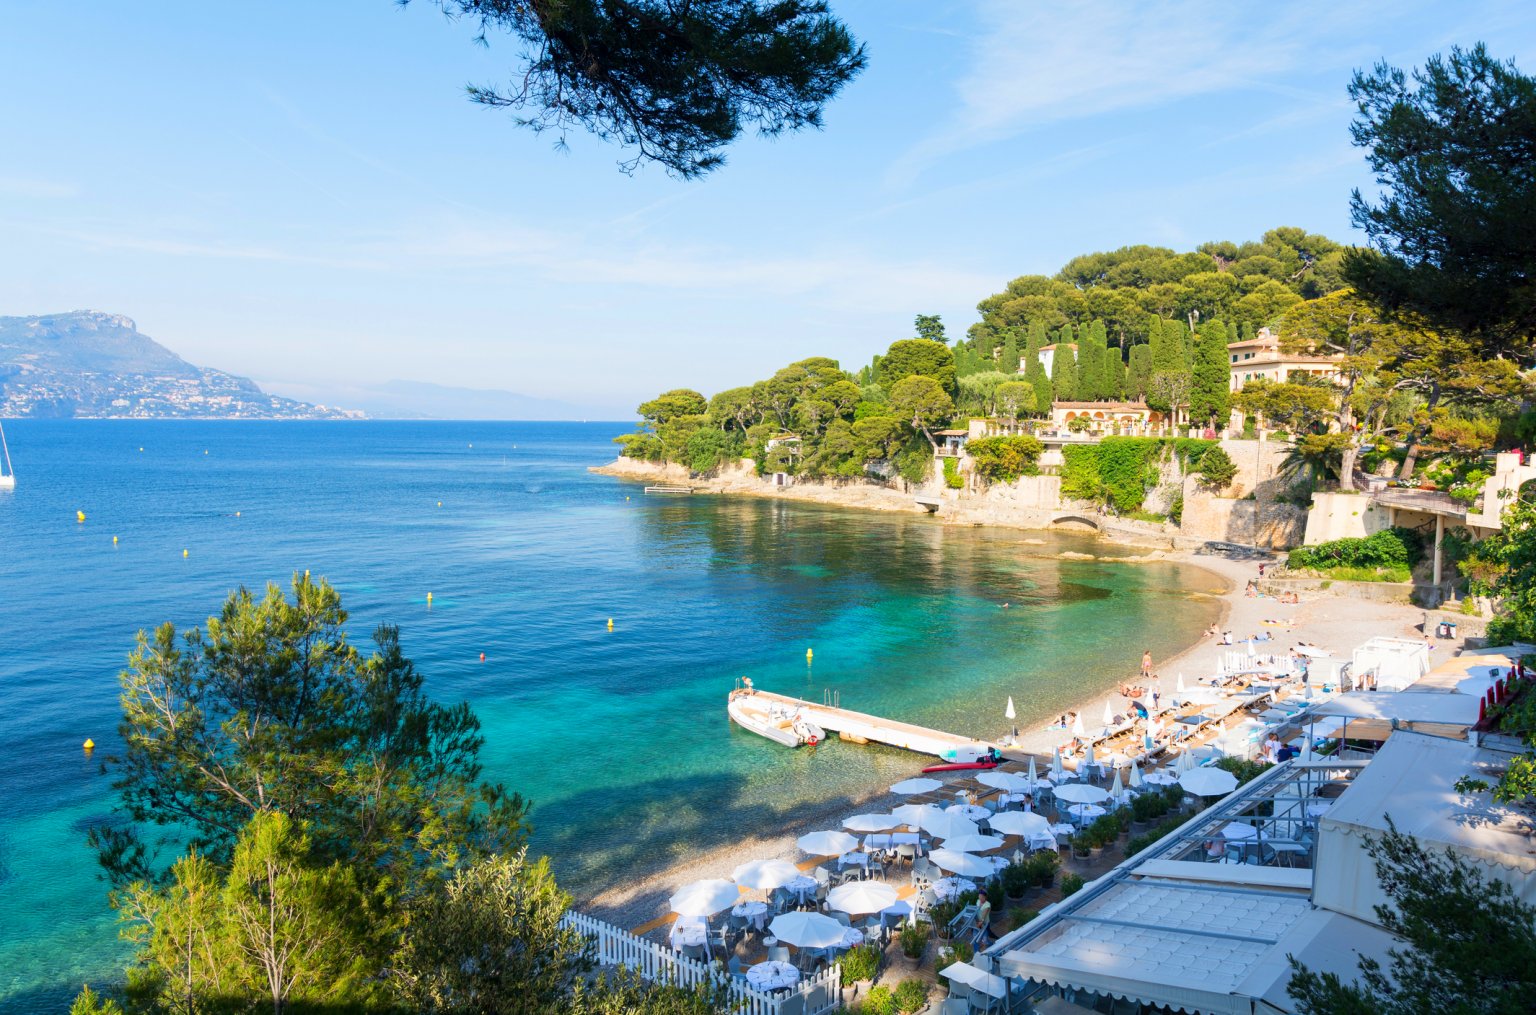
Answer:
(669, 489)
(861, 727)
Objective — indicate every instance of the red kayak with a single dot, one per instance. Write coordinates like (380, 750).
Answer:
(962, 766)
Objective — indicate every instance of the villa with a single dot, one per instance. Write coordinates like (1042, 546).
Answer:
(1261, 358)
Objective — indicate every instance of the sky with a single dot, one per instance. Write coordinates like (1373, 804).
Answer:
(301, 193)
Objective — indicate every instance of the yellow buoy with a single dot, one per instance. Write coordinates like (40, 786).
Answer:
(183, 553)
(237, 514)
(114, 540)
(610, 623)
(807, 655)
(439, 503)
(80, 516)
(429, 599)
(89, 745)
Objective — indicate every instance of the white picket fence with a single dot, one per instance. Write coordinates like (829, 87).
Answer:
(660, 964)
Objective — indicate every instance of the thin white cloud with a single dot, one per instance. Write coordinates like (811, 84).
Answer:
(1042, 63)
(17, 186)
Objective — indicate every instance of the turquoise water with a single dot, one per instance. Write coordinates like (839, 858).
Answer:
(620, 738)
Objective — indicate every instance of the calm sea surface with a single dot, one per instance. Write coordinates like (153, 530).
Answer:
(620, 738)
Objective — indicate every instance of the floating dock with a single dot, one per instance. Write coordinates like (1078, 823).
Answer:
(860, 727)
(669, 489)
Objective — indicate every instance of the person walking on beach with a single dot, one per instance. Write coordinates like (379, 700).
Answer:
(1146, 663)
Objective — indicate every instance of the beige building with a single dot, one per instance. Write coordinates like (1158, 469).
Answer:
(1048, 356)
(1262, 358)
(1116, 418)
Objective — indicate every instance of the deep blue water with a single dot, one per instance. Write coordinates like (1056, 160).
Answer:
(620, 738)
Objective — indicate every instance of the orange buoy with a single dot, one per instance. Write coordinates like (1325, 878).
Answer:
(482, 657)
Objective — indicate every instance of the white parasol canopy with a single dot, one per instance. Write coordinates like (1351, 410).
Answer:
(704, 898)
(977, 979)
(909, 786)
(807, 930)
(963, 864)
(765, 874)
(1019, 823)
(829, 843)
(973, 843)
(916, 814)
(861, 897)
(946, 826)
(1009, 781)
(871, 822)
(1208, 781)
(1079, 793)
(1008, 713)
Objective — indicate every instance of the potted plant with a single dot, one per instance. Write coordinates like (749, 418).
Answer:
(911, 995)
(1082, 845)
(1045, 866)
(914, 941)
(1016, 880)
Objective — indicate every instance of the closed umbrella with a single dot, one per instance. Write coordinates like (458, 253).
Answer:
(1208, 781)
(916, 814)
(871, 822)
(963, 864)
(1180, 685)
(861, 897)
(829, 843)
(1078, 730)
(1019, 823)
(1078, 793)
(909, 786)
(765, 874)
(1109, 714)
(1033, 778)
(1008, 713)
(807, 930)
(946, 826)
(1116, 789)
(1088, 760)
(704, 898)
(1058, 773)
(973, 842)
(1136, 781)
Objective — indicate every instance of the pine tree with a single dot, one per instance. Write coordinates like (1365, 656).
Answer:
(1009, 364)
(1245, 332)
(1210, 394)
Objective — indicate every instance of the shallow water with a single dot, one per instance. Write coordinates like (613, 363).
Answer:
(620, 738)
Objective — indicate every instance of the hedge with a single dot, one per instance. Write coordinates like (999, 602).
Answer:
(1394, 548)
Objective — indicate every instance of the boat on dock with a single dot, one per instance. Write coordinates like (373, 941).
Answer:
(776, 719)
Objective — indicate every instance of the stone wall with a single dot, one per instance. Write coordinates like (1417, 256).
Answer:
(1250, 522)
(1344, 515)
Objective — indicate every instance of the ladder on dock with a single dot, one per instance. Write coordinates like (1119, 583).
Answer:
(861, 727)
(669, 489)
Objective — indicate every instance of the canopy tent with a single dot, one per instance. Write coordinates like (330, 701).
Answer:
(1412, 780)
(1324, 942)
(1396, 662)
(1404, 706)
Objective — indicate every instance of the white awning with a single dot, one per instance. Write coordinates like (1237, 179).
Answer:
(1412, 780)
(1324, 942)
(1405, 706)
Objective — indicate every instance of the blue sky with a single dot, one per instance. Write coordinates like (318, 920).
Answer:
(301, 193)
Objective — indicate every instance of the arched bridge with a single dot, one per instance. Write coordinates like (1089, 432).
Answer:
(1075, 520)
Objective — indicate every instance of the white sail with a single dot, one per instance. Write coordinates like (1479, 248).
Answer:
(7, 473)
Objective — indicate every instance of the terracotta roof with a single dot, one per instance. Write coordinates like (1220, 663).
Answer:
(953, 433)
(1139, 406)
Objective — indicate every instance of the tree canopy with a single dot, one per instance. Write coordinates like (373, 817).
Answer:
(1453, 145)
(675, 83)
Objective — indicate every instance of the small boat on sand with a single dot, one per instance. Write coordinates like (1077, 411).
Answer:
(963, 766)
(966, 758)
(772, 719)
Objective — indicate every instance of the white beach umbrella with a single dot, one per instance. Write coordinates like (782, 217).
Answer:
(858, 897)
(807, 930)
(871, 822)
(907, 787)
(975, 843)
(1008, 713)
(1019, 823)
(1208, 781)
(1058, 773)
(1033, 778)
(765, 874)
(977, 979)
(945, 826)
(1011, 782)
(916, 814)
(1116, 789)
(963, 864)
(1109, 714)
(1078, 793)
(1078, 729)
(704, 898)
(829, 843)
(1239, 830)
(1180, 685)
(1088, 759)
(1136, 781)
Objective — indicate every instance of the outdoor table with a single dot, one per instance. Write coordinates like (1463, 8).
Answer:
(945, 889)
(1086, 812)
(968, 811)
(1041, 840)
(1161, 777)
(772, 975)
(755, 913)
(889, 840)
(1289, 851)
(852, 938)
(802, 887)
(688, 932)
(1239, 830)
(853, 860)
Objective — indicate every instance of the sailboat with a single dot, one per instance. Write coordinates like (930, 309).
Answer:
(7, 474)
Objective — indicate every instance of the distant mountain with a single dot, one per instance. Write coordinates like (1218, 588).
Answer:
(91, 364)
(420, 400)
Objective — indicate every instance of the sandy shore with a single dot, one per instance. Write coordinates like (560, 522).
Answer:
(1338, 625)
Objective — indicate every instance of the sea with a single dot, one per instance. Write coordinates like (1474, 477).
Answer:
(619, 736)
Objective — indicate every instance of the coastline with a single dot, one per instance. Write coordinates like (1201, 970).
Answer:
(1337, 625)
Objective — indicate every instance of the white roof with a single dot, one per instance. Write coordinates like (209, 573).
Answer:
(1161, 942)
(1412, 780)
(1407, 706)
(1324, 942)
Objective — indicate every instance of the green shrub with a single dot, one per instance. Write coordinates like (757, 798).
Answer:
(914, 939)
(1152, 836)
(1004, 459)
(1042, 867)
(952, 477)
(911, 995)
(1217, 470)
(1395, 549)
(1245, 770)
(861, 963)
(957, 951)
(879, 1001)
(1019, 917)
(1016, 878)
(1118, 471)
(1469, 607)
(1071, 884)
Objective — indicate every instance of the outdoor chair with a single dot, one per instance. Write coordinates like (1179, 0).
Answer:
(720, 937)
(738, 924)
(907, 853)
(954, 1006)
(778, 953)
(959, 992)
(735, 968)
(695, 952)
(821, 875)
(926, 900)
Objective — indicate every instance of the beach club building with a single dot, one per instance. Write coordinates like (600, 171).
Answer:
(1170, 930)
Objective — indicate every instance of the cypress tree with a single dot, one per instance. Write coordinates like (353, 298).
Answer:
(1034, 341)
(1106, 379)
(1064, 371)
(1009, 364)
(1139, 374)
(1245, 332)
(1035, 375)
(1087, 379)
(1210, 393)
